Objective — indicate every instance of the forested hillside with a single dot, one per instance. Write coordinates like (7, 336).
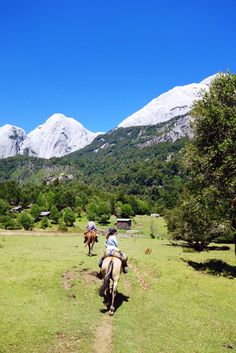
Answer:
(126, 160)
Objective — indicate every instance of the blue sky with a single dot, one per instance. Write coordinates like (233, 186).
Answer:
(100, 61)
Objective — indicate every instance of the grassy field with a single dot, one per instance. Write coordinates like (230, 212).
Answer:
(171, 301)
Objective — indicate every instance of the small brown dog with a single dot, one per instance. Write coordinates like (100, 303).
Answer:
(148, 251)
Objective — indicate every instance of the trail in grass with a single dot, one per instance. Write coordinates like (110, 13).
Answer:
(139, 276)
(65, 343)
(103, 336)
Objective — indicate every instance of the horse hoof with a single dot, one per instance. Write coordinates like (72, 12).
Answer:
(111, 312)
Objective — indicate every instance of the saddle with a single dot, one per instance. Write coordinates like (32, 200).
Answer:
(94, 235)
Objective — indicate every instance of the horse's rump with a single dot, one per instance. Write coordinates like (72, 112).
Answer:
(111, 270)
(90, 237)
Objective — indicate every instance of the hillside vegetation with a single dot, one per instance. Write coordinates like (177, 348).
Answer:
(124, 161)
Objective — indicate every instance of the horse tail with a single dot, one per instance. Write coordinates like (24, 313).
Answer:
(106, 279)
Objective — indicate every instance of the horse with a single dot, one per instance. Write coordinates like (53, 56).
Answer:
(111, 270)
(90, 237)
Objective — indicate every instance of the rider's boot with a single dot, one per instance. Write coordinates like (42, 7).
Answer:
(125, 267)
(100, 262)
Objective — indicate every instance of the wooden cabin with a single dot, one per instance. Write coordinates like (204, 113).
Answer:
(123, 223)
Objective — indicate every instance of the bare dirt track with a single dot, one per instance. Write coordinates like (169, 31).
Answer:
(103, 336)
(65, 343)
(139, 277)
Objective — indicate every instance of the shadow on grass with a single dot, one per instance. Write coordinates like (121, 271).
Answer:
(218, 247)
(119, 299)
(214, 267)
(188, 248)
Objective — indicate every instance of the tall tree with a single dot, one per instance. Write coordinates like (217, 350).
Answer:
(211, 159)
(214, 153)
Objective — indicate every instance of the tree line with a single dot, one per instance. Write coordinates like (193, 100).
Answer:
(206, 209)
(65, 202)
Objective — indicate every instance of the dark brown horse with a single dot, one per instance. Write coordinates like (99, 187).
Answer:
(90, 237)
(111, 270)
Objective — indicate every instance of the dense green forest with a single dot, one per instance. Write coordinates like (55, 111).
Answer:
(124, 172)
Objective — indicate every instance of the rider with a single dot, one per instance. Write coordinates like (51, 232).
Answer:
(112, 249)
(91, 226)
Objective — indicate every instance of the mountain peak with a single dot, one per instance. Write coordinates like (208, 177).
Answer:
(11, 127)
(58, 136)
(175, 102)
(11, 139)
(59, 119)
(207, 81)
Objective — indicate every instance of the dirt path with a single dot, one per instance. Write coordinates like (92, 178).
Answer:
(65, 343)
(139, 276)
(103, 336)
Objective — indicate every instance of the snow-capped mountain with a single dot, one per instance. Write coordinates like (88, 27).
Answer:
(11, 139)
(58, 136)
(61, 135)
(176, 102)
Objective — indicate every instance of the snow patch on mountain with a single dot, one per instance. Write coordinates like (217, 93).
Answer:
(178, 101)
(58, 136)
(11, 139)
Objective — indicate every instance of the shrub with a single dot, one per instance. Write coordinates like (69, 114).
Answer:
(26, 221)
(44, 223)
(55, 214)
(68, 217)
(62, 226)
(4, 207)
(7, 222)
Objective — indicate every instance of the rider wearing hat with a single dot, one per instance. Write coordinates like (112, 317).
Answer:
(112, 249)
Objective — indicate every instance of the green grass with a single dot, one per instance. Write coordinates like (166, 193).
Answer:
(169, 304)
(146, 224)
(141, 224)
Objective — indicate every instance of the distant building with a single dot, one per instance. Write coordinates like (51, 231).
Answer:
(155, 215)
(123, 223)
(16, 209)
(44, 213)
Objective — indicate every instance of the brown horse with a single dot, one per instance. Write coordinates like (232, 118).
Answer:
(90, 237)
(111, 270)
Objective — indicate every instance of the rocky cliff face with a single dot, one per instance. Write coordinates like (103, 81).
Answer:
(176, 102)
(11, 139)
(58, 136)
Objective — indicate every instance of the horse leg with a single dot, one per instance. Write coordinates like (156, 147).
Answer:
(89, 253)
(113, 295)
(107, 297)
(92, 244)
